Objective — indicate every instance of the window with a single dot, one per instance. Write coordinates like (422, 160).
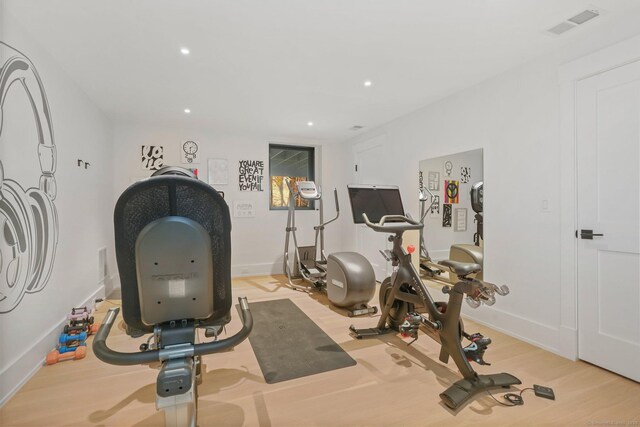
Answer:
(289, 163)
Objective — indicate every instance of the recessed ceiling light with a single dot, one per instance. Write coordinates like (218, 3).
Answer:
(309, 123)
(186, 110)
(184, 51)
(368, 83)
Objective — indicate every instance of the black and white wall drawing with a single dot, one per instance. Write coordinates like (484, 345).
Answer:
(446, 215)
(434, 211)
(465, 174)
(448, 167)
(152, 157)
(433, 181)
(251, 175)
(28, 217)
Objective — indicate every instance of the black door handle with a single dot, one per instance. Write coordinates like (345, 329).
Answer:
(588, 234)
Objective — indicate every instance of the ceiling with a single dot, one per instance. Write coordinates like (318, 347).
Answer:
(268, 67)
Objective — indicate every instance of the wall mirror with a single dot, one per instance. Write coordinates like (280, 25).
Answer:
(451, 194)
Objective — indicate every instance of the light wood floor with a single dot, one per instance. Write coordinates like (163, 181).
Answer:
(391, 385)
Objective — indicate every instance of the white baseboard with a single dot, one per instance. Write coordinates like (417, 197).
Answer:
(264, 269)
(530, 331)
(20, 370)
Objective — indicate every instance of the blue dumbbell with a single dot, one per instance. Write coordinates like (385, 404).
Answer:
(65, 338)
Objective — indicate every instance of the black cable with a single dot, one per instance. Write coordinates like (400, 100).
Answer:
(512, 398)
(99, 300)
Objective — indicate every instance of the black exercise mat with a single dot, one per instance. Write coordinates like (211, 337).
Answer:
(289, 345)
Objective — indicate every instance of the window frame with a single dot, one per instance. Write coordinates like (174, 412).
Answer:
(311, 164)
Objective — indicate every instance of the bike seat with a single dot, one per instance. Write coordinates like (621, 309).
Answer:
(461, 268)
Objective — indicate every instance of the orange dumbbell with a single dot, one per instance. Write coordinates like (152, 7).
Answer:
(55, 356)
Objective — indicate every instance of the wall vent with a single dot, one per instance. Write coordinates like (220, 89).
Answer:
(102, 265)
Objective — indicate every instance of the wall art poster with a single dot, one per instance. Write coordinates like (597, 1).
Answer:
(460, 219)
(465, 174)
(451, 193)
(433, 181)
(218, 173)
(189, 152)
(243, 209)
(152, 157)
(251, 175)
(434, 211)
(446, 215)
(448, 167)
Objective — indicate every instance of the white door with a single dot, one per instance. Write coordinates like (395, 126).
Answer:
(370, 169)
(608, 178)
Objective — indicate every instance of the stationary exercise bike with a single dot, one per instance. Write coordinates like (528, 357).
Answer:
(173, 247)
(407, 305)
(347, 277)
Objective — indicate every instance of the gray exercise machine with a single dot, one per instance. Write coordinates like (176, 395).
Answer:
(408, 307)
(173, 247)
(347, 277)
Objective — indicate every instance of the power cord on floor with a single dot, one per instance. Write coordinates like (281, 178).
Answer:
(512, 398)
(98, 300)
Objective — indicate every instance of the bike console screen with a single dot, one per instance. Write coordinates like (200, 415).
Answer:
(374, 200)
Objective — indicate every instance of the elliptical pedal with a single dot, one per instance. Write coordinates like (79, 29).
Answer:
(369, 332)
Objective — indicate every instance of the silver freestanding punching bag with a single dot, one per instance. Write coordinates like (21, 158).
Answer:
(352, 272)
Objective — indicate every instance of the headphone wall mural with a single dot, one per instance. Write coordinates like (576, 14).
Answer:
(28, 218)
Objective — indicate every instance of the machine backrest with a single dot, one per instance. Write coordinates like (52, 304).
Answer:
(173, 220)
(477, 197)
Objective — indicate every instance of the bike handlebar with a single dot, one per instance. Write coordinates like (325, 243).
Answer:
(405, 223)
(104, 353)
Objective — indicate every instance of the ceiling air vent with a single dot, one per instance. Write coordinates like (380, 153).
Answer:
(574, 21)
(585, 16)
(356, 127)
(561, 28)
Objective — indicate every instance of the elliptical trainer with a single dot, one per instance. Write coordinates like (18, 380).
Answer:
(347, 277)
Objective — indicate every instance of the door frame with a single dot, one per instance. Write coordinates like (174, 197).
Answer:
(368, 142)
(604, 60)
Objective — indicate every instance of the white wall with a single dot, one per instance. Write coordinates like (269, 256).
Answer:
(257, 243)
(81, 131)
(515, 117)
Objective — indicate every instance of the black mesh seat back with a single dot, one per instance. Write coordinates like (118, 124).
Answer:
(172, 195)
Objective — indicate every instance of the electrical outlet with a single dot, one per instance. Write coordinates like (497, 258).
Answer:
(542, 391)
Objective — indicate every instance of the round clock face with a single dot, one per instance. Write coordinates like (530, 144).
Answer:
(190, 147)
